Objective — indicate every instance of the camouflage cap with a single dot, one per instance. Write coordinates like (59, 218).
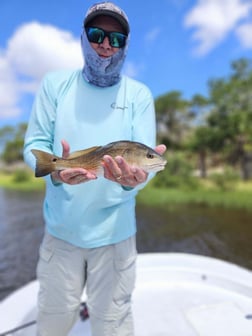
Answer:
(109, 9)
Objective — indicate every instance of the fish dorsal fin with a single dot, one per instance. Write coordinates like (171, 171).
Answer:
(79, 153)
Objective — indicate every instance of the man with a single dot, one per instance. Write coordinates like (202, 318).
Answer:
(90, 227)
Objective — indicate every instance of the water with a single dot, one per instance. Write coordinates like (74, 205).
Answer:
(221, 233)
(216, 232)
(21, 230)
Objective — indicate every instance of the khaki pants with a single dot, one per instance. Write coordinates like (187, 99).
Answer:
(109, 276)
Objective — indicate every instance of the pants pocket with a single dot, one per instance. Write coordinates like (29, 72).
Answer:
(61, 276)
(45, 256)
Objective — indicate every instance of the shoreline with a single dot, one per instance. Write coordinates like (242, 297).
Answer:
(239, 197)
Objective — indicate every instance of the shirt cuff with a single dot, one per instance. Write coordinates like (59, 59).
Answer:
(127, 188)
(55, 182)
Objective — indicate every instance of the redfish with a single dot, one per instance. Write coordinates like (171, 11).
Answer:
(134, 153)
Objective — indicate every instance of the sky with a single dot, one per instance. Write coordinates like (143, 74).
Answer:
(174, 45)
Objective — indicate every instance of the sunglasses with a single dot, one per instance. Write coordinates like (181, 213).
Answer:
(97, 35)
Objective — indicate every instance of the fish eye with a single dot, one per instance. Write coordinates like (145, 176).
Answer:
(54, 159)
(150, 156)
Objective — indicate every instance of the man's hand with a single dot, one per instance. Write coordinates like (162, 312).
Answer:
(71, 175)
(118, 170)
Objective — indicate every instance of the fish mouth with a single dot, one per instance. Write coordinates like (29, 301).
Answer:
(156, 167)
(160, 167)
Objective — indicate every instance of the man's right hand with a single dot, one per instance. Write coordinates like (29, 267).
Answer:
(71, 176)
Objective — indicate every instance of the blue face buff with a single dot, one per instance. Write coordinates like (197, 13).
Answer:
(99, 71)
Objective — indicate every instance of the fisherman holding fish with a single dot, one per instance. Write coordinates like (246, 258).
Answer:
(107, 121)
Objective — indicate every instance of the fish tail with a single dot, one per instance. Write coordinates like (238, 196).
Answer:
(45, 162)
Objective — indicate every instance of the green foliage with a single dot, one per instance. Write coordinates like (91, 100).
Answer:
(13, 151)
(173, 118)
(231, 114)
(13, 139)
(21, 175)
(204, 138)
(30, 184)
(178, 174)
(226, 180)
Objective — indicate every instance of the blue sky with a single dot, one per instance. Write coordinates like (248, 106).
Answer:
(175, 45)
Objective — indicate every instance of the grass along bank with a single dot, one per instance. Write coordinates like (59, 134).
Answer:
(240, 196)
(15, 181)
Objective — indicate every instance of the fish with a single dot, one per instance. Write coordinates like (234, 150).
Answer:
(134, 153)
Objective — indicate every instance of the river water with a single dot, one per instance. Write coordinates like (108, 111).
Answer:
(216, 232)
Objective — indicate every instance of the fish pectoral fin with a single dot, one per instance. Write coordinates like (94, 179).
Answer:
(79, 153)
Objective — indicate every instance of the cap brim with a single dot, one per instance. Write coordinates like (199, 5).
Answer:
(116, 16)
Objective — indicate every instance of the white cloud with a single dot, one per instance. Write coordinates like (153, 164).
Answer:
(244, 33)
(8, 90)
(152, 35)
(33, 50)
(131, 69)
(214, 19)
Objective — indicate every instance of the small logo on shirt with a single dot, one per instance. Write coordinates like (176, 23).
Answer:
(117, 107)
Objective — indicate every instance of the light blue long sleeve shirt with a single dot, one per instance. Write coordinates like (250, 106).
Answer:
(98, 212)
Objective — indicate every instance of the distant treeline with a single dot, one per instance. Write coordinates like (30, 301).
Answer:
(212, 130)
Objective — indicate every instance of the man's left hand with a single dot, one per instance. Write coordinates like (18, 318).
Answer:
(118, 170)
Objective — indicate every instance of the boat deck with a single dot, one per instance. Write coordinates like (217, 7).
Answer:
(176, 295)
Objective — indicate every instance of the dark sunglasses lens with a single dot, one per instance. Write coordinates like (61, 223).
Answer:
(117, 40)
(95, 35)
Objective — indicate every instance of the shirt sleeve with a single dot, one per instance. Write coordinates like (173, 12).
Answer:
(40, 131)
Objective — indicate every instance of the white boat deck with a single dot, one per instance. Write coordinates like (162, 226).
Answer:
(175, 295)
